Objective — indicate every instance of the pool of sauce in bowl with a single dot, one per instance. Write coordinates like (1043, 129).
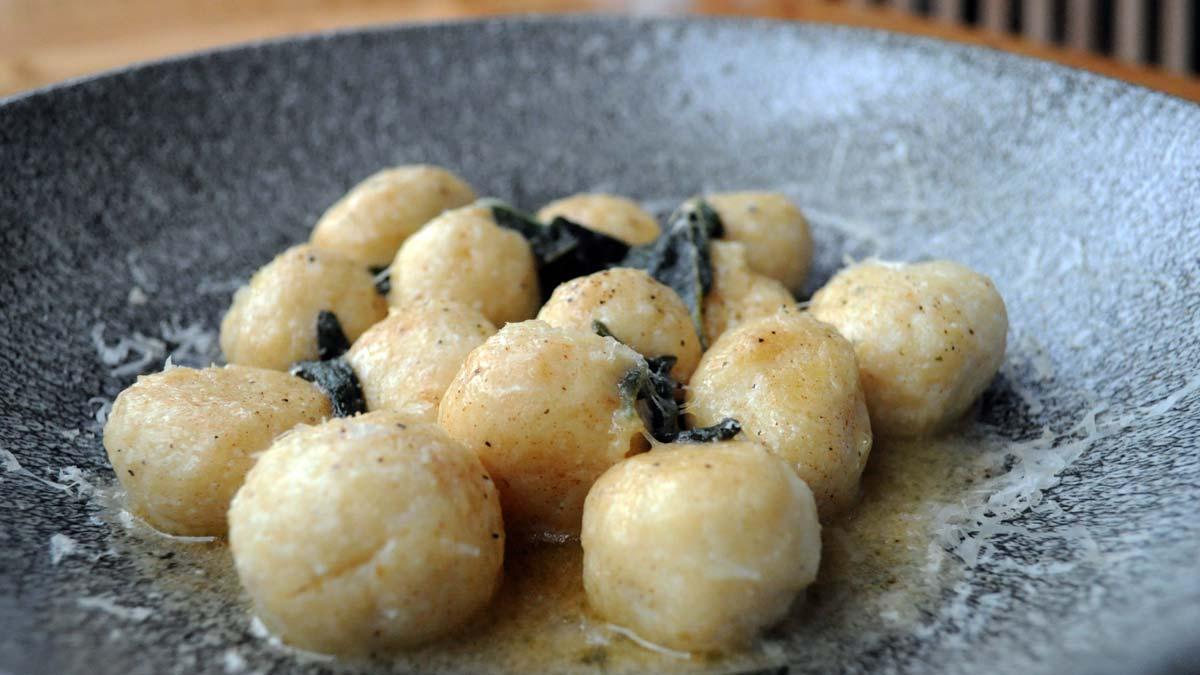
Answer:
(880, 569)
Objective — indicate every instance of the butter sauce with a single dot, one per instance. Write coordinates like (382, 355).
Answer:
(881, 568)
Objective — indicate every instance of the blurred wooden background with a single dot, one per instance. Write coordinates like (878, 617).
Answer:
(45, 41)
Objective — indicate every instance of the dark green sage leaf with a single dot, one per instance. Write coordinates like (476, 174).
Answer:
(564, 250)
(658, 398)
(337, 379)
(680, 257)
(602, 330)
(331, 339)
(651, 390)
(631, 385)
(721, 431)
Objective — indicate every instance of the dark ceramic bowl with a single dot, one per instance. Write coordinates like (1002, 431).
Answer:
(1080, 196)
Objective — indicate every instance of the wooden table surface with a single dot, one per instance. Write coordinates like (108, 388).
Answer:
(44, 42)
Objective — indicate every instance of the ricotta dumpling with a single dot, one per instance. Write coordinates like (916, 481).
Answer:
(367, 534)
(772, 229)
(405, 362)
(545, 411)
(272, 322)
(738, 293)
(929, 338)
(372, 220)
(635, 309)
(792, 383)
(181, 441)
(698, 547)
(464, 256)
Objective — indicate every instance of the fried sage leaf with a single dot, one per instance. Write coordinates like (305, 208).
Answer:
(599, 328)
(658, 398)
(721, 431)
(337, 379)
(331, 339)
(680, 257)
(650, 389)
(564, 250)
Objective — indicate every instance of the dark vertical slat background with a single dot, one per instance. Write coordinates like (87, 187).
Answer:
(1146, 24)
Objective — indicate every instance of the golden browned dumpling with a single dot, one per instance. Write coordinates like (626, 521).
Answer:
(738, 294)
(272, 322)
(792, 382)
(612, 215)
(367, 534)
(773, 230)
(405, 362)
(929, 338)
(543, 408)
(698, 547)
(465, 257)
(372, 220)
(182, 440)
(636, 309)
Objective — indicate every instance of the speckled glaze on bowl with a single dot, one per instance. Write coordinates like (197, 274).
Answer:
(1080, 196)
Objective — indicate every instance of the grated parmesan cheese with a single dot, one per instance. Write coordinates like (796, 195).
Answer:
(1037, 464)
(646, 644)
(233, 661)
(210, 287)
(140, 275)
(74, 481)
(12, 465)
(1171, 400)
(10, 462)
(101, 414)
(143, 350)
(137, 296)
(190, 344)
(106, 605)
(259, 629)
(61, 546)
